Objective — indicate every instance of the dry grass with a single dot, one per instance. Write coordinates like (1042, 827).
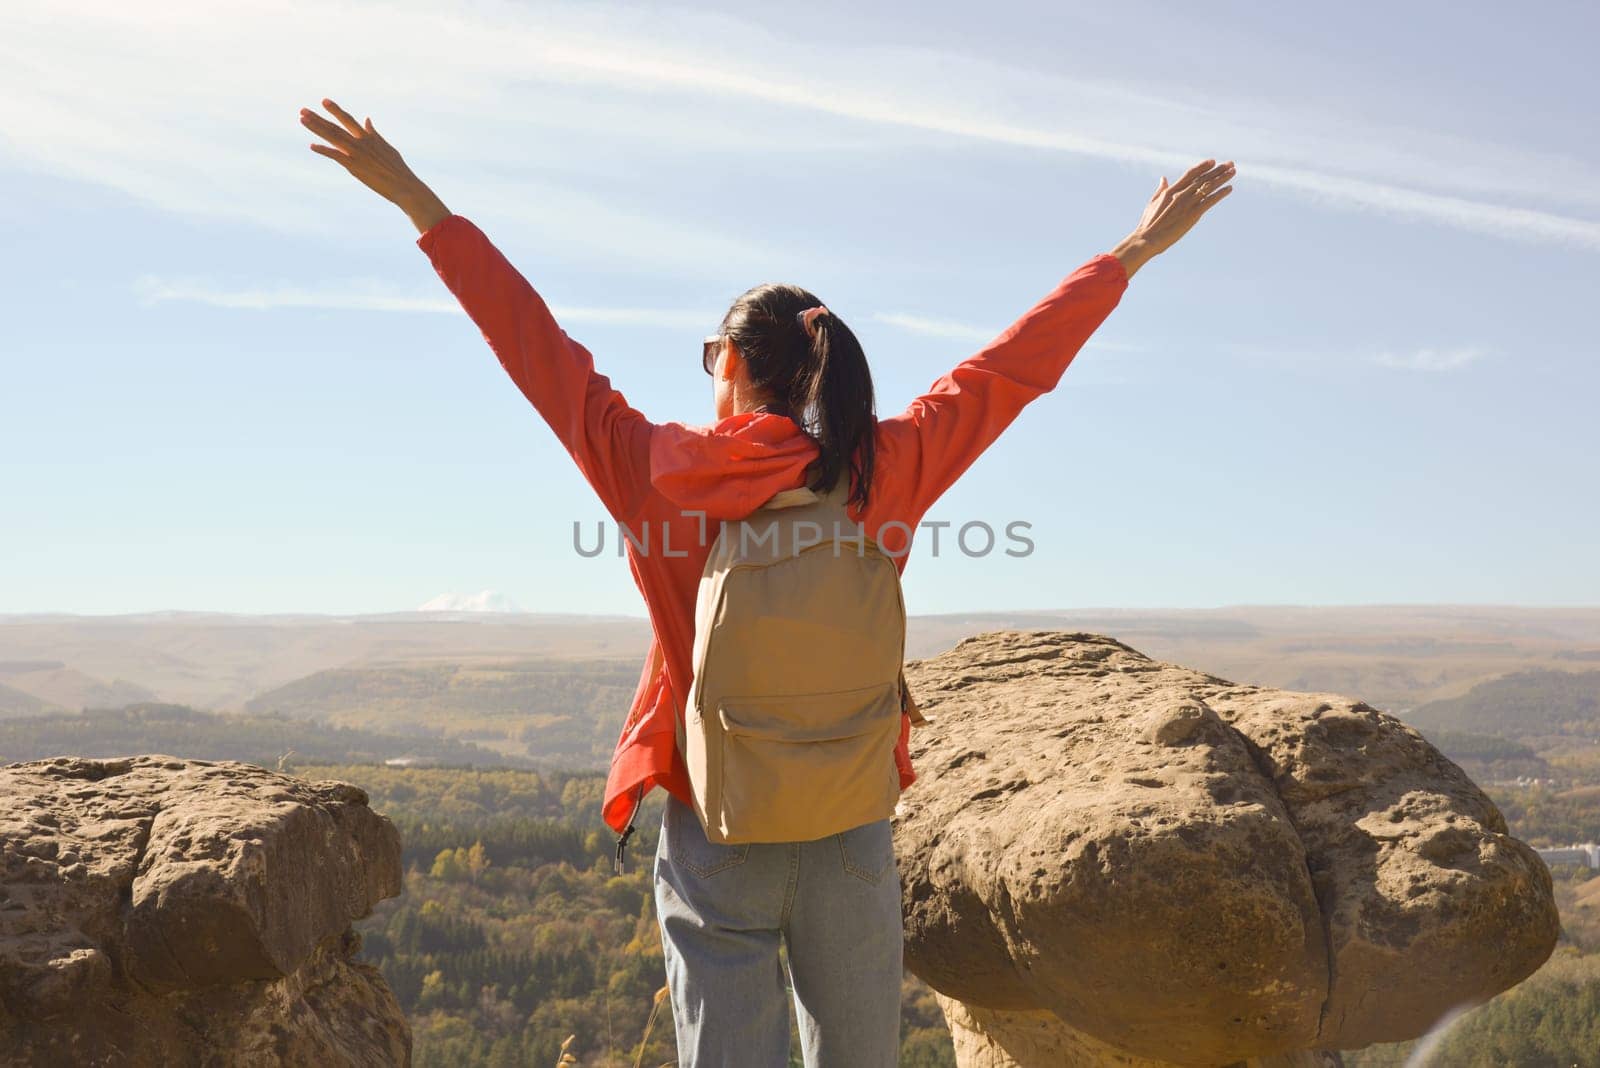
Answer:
(568, 1060)
(655, 1008)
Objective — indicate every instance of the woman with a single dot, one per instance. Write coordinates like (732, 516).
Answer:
(794, 406)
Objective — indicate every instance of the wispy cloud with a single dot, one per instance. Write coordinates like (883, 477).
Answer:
(1430, 359)
(1426, 358)
(154, 290)
(922, 107)
(941, 328)
(951, 330)
(365, 296)
(527, 107)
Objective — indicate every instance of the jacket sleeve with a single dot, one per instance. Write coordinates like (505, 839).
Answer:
(609, 439)
(924, 449)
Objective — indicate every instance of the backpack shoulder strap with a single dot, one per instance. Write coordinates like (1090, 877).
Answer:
(792, 498)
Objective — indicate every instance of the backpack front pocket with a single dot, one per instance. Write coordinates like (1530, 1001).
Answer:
(798, 767)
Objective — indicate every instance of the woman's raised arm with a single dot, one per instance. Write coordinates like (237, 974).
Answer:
(609, 439)
(943, 431)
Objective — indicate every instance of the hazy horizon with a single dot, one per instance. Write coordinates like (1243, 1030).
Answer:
(640, 615)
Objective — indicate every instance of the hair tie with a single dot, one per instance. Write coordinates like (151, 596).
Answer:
(808, 319)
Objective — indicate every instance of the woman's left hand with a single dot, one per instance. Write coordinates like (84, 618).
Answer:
(362, 151)
(1173, 211)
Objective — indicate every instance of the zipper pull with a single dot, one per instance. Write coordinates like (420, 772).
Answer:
(627, 832)
(622, 843)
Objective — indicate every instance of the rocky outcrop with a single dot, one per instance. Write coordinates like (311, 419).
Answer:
(1111, 860)
(157, 911)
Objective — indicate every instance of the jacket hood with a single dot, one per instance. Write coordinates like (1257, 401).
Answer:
(730, 469)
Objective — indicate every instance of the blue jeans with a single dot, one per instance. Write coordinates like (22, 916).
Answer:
(834, 901)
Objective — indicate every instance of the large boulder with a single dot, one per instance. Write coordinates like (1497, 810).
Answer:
(157, 911)
(1107, 859)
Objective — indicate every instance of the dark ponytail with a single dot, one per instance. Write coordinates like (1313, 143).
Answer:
(818, 376)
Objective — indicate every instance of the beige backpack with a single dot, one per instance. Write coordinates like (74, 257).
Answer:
(794, 712)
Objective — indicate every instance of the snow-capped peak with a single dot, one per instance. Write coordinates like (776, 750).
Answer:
(482, 601)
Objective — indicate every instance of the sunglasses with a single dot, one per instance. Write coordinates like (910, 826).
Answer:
(708, 352)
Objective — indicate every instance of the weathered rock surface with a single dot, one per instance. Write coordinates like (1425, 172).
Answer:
(157, 911)
(1106, 856)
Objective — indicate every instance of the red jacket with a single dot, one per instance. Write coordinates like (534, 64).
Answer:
(655, 478)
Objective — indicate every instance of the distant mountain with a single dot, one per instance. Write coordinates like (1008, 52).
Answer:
(1518, 705)
(58, 686)
(568, 711)
(1489, 757)
(220, 661)
(17, 703)
(482, 601)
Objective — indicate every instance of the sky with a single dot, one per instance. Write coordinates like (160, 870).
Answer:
(232, 381)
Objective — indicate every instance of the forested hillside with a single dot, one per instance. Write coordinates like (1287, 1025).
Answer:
(1524, 704)
(555, 711)
(259, 739)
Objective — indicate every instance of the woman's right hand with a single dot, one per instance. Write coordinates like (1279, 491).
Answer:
(1173, 211)
(362, 151)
